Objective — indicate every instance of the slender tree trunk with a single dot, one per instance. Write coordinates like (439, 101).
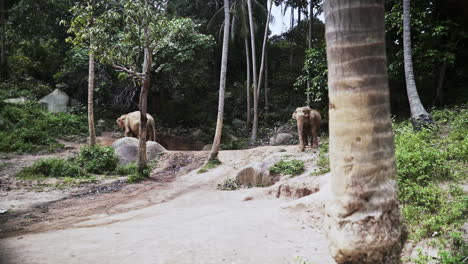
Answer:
(222, 85)
(298, 15)
(248, 85)
(291, 49)
(142, 158)
(363, 218)
(92, 132)
(253, 138)
(419, 115)
(3, 33)
(311, 21)
(266, 81)
(254, 71)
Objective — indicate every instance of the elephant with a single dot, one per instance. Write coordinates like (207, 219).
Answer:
(308, 124)
(131, 124)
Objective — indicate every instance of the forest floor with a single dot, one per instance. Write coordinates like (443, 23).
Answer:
(177, 216)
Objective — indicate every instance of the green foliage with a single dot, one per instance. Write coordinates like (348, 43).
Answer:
(290, 167)
(209, 165)
(97, 159)
(426, 161)
(138, 175)
(29, 128)
(316, 71)
(323, 161)
(234, 144)
(129, 169)
(229, 185)
(54, 167)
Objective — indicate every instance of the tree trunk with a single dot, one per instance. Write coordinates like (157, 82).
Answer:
(142, 158)
(363, 218)
(253, 138)
(92, 132)
(254, 71)
(3, 33)
(266, 81)
(311, 21)
(222, 85)
(248, 85)
(419, 115)
(298, 15)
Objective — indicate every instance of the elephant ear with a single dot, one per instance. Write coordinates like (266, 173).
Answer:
(294, 114)
(307, 111)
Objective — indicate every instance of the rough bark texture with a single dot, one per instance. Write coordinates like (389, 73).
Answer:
(2, 24)
(248, 85)
(419, 115)
(266, 81)
(92, 132)
(254, 71)
(142, 158)
(363, 219)
(222, 85)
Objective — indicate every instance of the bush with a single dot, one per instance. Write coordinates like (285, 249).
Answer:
(52, 168)
(128, 169)
(138, 176)
(97, 159)
(291, 167)
(29, 128)
(229, 185)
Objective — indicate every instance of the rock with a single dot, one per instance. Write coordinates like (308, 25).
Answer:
(281, 139)
(300, 186)
(56, 102)
(238, 124)
(198, 134)
(127, 150)
(19, 100)
(258, 173)
(464, 231)
(207, 147)
(426, 247)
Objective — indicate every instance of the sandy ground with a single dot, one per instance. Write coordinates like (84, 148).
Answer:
(177, 217)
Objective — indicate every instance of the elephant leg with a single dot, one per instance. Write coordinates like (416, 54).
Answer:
(314, 142)
(127, 133)
(300, 133)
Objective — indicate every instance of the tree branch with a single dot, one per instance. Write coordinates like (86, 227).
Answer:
(138, 75)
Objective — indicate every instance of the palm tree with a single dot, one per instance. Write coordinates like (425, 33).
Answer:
(363, 217)
(253, 138)
(92, 131)
(3, 33)
(222, 85)
(254, 70)
(419, 115)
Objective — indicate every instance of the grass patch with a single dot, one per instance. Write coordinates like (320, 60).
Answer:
(128, 169)
(209, 165)
(290, 167)
(323, 161)
(229, 185)
(30, 128)
(138, 176)
(57, 168)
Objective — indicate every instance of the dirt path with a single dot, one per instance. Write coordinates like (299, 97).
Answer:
(178, 217)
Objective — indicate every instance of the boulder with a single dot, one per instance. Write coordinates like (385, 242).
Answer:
(19, 100)
(258, 173)
(281, 139)
(56, 102)
(127, 150)
(238, 124)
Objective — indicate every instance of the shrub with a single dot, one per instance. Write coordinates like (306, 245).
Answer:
(323, 161)
(52, 168)
(229, 185)
(291, 167)
(128, 169)
(138, 176)
(209, 165)
(29, 128)
(97, 159)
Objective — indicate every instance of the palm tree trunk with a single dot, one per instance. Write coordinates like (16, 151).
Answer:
(266, 81)
(248, 85)
(222, 85)
(311, 19)
(253, 138)
(363, 217)
(254, 71)
(419, 115)
(92, 132)
(142, 158)
(3, 33)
